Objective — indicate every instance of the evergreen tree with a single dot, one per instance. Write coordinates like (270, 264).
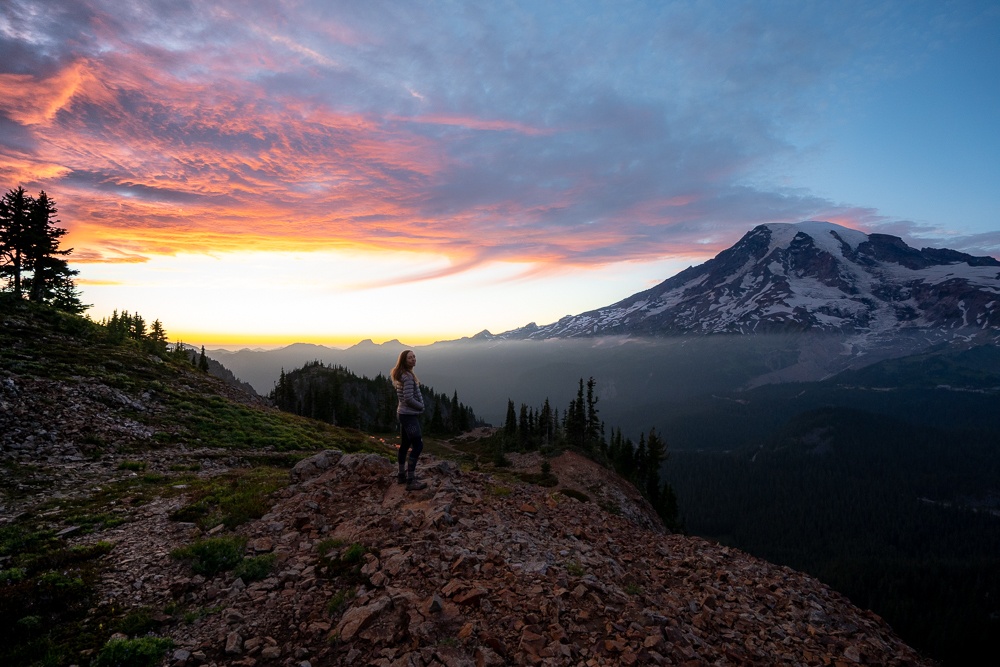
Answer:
(15, 207)
(545, 425)
(30, 258)
(510, 424)
(157, 338)
(593, 426)
(455, 415)
(42, 252)
(203, 361)
(437, 420)
(523, 431)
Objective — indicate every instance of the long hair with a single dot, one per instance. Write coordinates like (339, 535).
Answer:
(401, 366)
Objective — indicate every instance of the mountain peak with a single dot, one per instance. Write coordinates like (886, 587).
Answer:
(807, 276)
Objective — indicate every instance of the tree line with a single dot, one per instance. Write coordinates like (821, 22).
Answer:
(32, 264)
(580, 428)
(335, 395)
(126, 326)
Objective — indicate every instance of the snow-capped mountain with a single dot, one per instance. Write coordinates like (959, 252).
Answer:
(810, 276)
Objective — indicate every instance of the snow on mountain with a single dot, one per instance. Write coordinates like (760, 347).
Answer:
(810, 276)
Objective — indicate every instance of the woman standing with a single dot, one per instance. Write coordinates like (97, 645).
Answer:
(411, 405)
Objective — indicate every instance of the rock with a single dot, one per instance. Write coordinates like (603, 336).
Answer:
(315, 465)
(234, 644)
(355, 619)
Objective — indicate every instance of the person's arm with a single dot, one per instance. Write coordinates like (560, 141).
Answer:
(411, 393)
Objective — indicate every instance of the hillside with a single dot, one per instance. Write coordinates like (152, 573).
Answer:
(141, 496)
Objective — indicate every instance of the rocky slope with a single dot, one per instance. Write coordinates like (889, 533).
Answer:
(475, 571)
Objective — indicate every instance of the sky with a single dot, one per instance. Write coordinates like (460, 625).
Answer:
(262, 172)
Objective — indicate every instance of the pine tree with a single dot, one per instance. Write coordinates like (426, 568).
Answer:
(593, 427)
(523, 432)
(510, 424)
(545, 423)
(157, 338)
(30, 257)
(42, 252)
(14, 236)
(203, 361)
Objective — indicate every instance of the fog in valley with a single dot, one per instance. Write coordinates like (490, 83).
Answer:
(638, 380)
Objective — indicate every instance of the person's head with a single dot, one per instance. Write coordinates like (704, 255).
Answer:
(407, 360)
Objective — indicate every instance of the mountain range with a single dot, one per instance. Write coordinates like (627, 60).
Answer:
(811, 276)
(787, 303)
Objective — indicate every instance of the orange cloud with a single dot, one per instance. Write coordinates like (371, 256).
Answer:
(33, 101)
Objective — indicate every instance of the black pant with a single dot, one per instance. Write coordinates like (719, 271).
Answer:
(410, 440)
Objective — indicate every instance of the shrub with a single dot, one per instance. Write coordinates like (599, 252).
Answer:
(340, 600)
(12, 575)
(353, 553)
(328, 545)
(142, 652)
(213, 555)
(255, 568)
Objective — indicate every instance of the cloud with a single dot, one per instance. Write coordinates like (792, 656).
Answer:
(571, 135)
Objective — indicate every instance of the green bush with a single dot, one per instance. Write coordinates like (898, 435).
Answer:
(212, 555)
(12, 575)
(353, 553)
(142, 652)
(340, 600)
(255, 568)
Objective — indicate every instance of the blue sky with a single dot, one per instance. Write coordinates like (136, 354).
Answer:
(301, 164)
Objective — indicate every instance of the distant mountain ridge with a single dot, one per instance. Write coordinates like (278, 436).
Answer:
(809, 276)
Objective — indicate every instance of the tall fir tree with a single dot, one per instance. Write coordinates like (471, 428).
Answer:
(15, 213)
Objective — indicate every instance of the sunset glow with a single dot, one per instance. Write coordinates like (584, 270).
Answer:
(273, 172)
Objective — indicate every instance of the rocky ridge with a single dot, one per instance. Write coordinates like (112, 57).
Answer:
(479, 571)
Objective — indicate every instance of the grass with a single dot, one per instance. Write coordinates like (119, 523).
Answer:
(233, 498)
(353, 553)
(212, 555)
(328, 545)
(140, 652)
(255, 568)
(343, 564)
(340, 600)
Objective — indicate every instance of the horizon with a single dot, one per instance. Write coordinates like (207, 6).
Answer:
(263, 173)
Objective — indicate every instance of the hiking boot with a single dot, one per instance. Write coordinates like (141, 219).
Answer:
(401, 478)
(415, 484)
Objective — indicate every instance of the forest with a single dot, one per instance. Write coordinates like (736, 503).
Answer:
(335, 395)
(900, 515)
